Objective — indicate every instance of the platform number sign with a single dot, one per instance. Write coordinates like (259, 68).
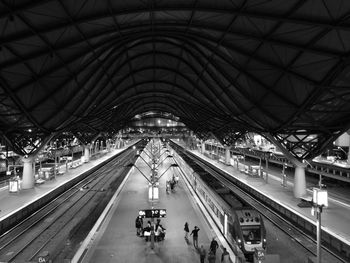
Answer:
(259, 254)
(44, 257)
(152, 213)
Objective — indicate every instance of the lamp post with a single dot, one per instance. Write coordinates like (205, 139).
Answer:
(260, 173)
(284, 177)
(319, 200)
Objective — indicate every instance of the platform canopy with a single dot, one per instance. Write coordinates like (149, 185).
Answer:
(279, 68)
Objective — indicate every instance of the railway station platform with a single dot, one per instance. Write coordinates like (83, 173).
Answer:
(11, 202)
(335, 218)
(114, 237)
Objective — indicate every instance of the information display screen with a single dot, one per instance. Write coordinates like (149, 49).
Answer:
(152, 213)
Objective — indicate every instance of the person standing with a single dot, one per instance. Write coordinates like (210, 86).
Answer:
(167, 187)
(187, 230)
(214, 245)
(225, 257)
(147, 231)
(139, 225)
(194, 233)
(177, 179)
(159, 233)
(202, 254)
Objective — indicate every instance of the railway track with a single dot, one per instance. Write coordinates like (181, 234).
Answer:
(55, 225)
(207, 170)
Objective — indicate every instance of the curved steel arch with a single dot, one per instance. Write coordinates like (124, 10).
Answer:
(272, 67)
(204, 111)
(167, 54)
(141, 94)
(159, 52)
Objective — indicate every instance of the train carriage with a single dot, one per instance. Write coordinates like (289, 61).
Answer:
(241, 224)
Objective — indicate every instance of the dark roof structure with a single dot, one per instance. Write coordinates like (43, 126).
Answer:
(279, 68)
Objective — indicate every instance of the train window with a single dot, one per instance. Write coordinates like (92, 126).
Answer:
(222, 218)
(251, 233)
(231, 230)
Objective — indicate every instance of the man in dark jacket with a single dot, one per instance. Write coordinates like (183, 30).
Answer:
(214, 246)
(139, 225)
(195, 236)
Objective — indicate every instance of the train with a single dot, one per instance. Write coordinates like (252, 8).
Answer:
(242, 225)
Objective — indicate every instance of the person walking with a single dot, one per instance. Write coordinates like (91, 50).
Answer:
(194, 233)
(225, 257)
(202, 254)
(211, 257)
(139, 225)
(187, 230)
(214, 246)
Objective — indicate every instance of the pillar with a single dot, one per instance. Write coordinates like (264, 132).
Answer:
(117, 144)
(86, 153)
(203, 147)
(28, 179)
(227, 156)
(299, 181)
(97, 147)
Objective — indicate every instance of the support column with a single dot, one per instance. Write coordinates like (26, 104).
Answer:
(203, 147)
(86, 153)
(299, 181)
(108, 145)
(117, 146)
(28, 175)
(227, 156)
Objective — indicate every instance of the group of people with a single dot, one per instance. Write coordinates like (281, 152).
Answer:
(225, 257)
(158, 230)
(170, 184)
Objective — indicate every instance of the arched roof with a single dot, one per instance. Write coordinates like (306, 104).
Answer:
(275, 67)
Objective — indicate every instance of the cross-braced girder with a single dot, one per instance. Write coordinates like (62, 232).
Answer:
(225, 67)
